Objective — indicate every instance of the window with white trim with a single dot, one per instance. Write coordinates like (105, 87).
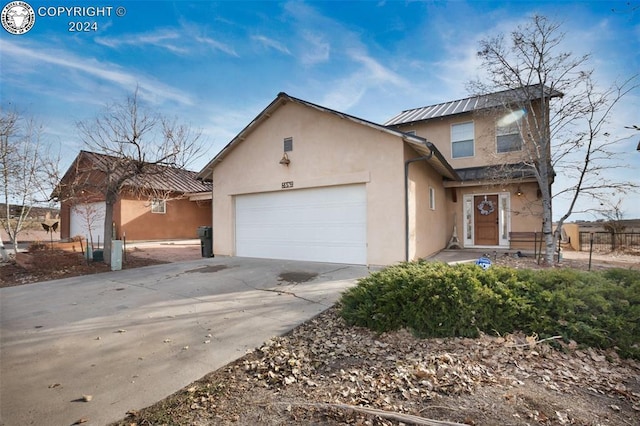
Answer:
(432, 198)
(159, 206)
(462, 136)
(508, 138)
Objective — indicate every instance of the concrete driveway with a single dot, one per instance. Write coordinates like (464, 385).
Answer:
(132, 337)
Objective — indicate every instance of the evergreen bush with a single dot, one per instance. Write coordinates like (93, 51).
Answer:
(600, 309)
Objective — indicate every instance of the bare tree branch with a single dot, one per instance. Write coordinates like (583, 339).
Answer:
(567, 115)
(138, 147)
(27, 170)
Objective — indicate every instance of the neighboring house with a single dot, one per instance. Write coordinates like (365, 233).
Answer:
(171, 205)
(305, 182)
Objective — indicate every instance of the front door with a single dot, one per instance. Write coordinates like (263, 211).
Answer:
(486, 220)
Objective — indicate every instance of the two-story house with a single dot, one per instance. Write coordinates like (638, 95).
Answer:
(305, 182)
(481, 138)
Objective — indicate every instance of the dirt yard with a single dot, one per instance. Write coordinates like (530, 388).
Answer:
(44, 264)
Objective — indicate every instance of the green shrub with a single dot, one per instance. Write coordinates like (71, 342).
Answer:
(600, 309)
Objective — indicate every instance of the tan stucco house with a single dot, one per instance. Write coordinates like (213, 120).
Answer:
(172, 205)
(305, 182)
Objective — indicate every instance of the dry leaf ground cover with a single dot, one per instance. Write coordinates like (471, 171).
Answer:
(328, 373)
(46, 264)
(324, 371)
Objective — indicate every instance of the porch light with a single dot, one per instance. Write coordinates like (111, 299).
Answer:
(285, 160)
(519, 191)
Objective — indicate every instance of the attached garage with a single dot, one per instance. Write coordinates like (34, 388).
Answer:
(303, 182)
(87, 220)
(326, 224)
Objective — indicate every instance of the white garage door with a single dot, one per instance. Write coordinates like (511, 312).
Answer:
(88, 217)
(320, 224)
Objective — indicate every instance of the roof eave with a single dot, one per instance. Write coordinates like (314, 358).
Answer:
(206, 173)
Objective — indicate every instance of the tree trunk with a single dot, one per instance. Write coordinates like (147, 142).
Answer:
(3, 251)
(544, 183)
(14, 230)
(110, 201)
(547, 232)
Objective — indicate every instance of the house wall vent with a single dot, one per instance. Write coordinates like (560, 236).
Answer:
(288, 144)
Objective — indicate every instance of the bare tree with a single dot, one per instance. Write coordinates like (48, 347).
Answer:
(564, 115)
(27, 174)
(141, 147)
(614, 222)
(91, 217)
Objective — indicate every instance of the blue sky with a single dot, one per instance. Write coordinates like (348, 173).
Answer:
(216, 65)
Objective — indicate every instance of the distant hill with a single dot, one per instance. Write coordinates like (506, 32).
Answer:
(631, 225)
(36, 213)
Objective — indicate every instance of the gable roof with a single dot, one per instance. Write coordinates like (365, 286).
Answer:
(421, 145)
(473, 103)
(168, 179)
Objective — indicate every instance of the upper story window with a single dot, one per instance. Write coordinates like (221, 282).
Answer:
(159, 206)
(508, 138)
(462, 140)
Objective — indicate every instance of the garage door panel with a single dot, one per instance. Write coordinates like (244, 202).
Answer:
(87, 220)
(321, 224)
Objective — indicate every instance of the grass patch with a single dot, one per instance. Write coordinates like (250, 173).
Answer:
(599, 309)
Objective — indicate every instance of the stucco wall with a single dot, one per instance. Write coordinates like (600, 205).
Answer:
(134, 218)
(526, 209)
(327, 150)
(438, 132)
(429, 230)
(572, 231)
(65, 220)
(181, 219)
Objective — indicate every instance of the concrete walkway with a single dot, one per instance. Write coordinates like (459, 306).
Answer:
(130, 338)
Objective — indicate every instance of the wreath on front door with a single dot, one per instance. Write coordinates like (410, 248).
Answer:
(486, 207)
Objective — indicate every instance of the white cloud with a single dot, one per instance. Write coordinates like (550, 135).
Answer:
(369, 75)
(150, 89)
(177, 41)
(168, 39)
(316, 50)
(377, 73)
(271, 43)
(216, 45)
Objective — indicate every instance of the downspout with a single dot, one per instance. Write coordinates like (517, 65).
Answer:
(406, 199)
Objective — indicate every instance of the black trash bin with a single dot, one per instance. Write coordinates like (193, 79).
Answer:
(206, 240)
(98, 255)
